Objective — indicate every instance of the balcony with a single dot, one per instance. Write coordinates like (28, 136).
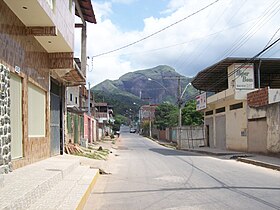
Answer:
(50, 22)
(64, 69)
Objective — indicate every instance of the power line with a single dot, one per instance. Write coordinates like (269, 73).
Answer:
(268, 14)
(157, 32)
(253, 58)
(189, 41)
(241, 5)
(266, 48)
(193, 56)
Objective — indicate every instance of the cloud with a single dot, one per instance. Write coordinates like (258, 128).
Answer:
(124, 1)
(174, 5)
(188, 46)
(102, 10)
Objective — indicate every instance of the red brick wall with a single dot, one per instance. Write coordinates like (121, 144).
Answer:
(258, 98)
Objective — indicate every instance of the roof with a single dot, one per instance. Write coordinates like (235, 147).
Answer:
(215, 78)
(88, 13)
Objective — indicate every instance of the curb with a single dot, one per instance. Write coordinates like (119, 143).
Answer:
(241, 159)
(86, 195)
(259, 163)
(209, 153)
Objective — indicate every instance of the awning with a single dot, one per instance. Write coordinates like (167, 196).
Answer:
(215, 77)
(88, 13)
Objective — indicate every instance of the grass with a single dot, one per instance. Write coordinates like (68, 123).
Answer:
(95, 154)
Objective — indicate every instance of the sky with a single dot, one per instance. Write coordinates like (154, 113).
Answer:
(228, 28)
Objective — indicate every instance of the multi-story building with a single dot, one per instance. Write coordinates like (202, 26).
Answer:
(37, 64)
(243, 113)
(81, 124)
(147, 115)
(104, 117)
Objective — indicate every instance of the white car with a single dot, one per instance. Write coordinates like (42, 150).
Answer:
(132, 130)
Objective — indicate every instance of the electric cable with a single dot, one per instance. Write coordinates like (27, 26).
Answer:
(248, 34)
(157, 32)
(268, 47)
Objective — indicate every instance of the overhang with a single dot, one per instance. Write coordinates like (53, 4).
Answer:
(35, 16)
(69, 75)
(215, 78)
(87, 11)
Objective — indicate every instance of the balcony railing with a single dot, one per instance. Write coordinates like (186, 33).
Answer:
(101, 115)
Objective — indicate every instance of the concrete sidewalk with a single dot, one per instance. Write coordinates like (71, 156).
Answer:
(272, 162)
(59, 182)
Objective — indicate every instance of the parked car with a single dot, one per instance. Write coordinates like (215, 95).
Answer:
(132, 130)
(118, 133)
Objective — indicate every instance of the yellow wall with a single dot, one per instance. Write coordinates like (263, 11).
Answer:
(236, 122)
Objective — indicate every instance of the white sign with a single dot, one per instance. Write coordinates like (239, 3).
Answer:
(244, 76)
(201, 101)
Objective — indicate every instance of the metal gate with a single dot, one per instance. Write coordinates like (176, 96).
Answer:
(55, 124)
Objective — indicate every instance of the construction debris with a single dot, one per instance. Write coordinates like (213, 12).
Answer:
(73, 149)
(98, 153)
(102, 172)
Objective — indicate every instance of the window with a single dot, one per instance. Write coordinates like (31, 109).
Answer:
(236, 106)
(36, 111)
(16, 116)
(71, 97)
(220, 110)
(209, 113)
(76, 100)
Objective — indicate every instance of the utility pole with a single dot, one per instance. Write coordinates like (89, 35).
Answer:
(150, 122)
(179, 98)
(180, 113)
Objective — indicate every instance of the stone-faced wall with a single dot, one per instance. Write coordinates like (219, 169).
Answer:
(24, 51)
(5, 126)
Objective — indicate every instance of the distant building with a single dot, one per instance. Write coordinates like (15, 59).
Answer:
(104, 116)
(243, 114)
(80, 126)
(147, 112)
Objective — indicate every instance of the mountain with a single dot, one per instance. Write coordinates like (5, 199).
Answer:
(153, 85)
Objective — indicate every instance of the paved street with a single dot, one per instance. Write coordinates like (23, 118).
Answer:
(146, 175)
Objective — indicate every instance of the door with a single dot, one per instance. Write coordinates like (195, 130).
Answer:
(207, 135)
(209, 124)
(89, 130)
(221, 132)
(257, 135)
(16, 116)
(55, 119)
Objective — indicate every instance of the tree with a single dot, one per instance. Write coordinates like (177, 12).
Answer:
(119, 119)
(166, 115)
(189, 114)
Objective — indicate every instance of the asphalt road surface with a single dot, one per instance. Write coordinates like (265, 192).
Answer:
(146, 175)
